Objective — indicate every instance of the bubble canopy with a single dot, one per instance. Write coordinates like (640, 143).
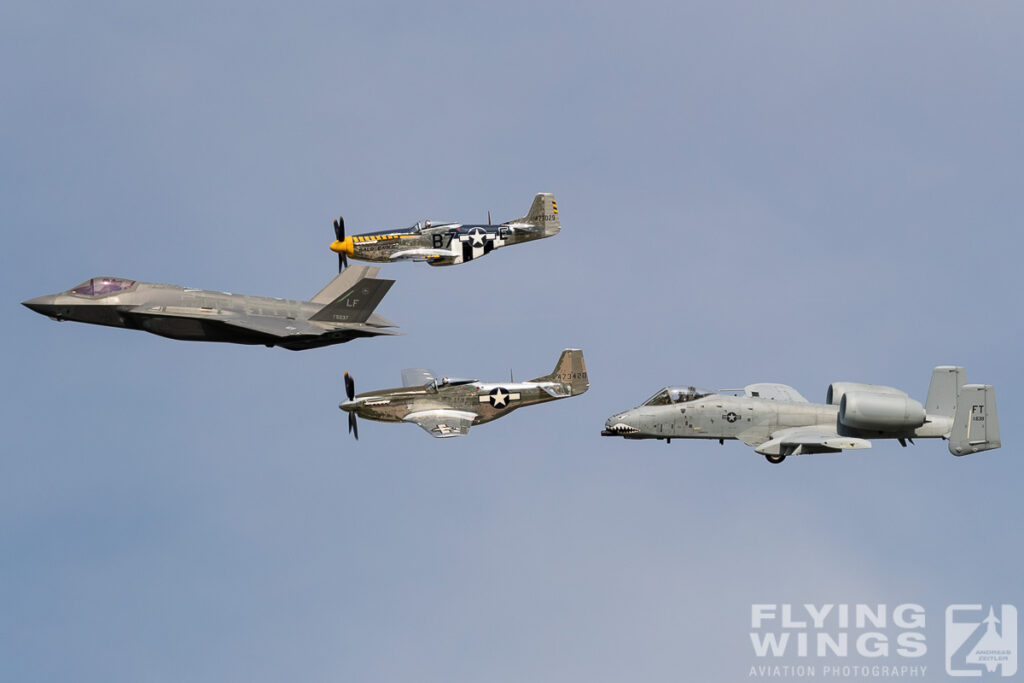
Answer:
(101, 286)
(670, 395)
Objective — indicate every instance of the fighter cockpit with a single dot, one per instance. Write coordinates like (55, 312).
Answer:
(670, 395)
(102, 286)
(434, 384)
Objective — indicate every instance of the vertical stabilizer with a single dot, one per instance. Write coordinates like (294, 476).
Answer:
(543, 213)
(343, 281)
(945, 384)
(976, 423)
(571, 370)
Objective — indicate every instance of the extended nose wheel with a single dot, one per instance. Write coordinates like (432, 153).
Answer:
(775, 459)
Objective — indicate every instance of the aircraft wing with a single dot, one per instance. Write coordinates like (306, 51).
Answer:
(811, 439)
(443, 423)
(274, 327)
(420, 254)
(277, 327)
(774, 392)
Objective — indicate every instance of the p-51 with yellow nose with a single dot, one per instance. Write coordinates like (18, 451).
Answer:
(448, 406)
(447, 244)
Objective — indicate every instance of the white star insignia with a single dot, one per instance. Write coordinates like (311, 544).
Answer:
(476, 237)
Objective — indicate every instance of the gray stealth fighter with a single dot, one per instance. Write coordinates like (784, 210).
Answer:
(340, 312)
(447, 244)
(780, 422)
(449, 407)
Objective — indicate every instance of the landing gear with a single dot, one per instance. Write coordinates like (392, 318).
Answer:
(775, 459)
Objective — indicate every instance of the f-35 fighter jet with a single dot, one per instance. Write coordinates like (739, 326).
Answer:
(340, 312)
(449, 407)
(779, 422)
(447, 244)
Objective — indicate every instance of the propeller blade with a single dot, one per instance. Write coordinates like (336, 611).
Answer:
(350, 387)
(339, 234)
(353, 426)
(489, 218)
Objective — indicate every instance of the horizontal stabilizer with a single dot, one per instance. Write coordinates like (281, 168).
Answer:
(556, 390)
(377, 320)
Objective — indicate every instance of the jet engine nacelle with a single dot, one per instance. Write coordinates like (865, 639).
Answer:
(836, 390)
(879, 411)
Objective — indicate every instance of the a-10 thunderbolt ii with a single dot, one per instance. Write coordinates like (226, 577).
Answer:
(447, 244)
(449, 407)
(779, 422)
(340, 312)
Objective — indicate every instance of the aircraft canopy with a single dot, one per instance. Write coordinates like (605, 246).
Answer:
(670, 395)
(99, 286)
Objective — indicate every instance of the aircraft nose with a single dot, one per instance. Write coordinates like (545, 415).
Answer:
(349, 406)
(344, 245)
(618, 425)
(46, 305)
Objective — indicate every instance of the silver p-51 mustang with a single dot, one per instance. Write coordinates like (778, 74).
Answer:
(449, 407)
(779, 422)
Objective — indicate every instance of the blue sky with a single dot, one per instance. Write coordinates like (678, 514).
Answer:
(748, 192)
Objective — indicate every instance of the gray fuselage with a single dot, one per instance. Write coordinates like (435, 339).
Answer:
(200, 315)
(750, 420)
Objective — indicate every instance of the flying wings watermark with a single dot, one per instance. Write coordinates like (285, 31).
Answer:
(880, 641)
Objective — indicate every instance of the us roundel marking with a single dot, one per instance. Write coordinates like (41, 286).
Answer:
(731, 417)
(498, 398)
(476, 237)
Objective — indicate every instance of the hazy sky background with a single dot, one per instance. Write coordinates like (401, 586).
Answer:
(787, 192)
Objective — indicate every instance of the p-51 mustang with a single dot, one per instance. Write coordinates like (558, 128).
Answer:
(447, 244)
(780, 422)
(449, 407)
(340, 312)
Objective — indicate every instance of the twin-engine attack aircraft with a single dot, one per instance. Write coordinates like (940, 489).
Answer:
(449, 407)
(340, 312)
(447, 244)
(780, 422)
